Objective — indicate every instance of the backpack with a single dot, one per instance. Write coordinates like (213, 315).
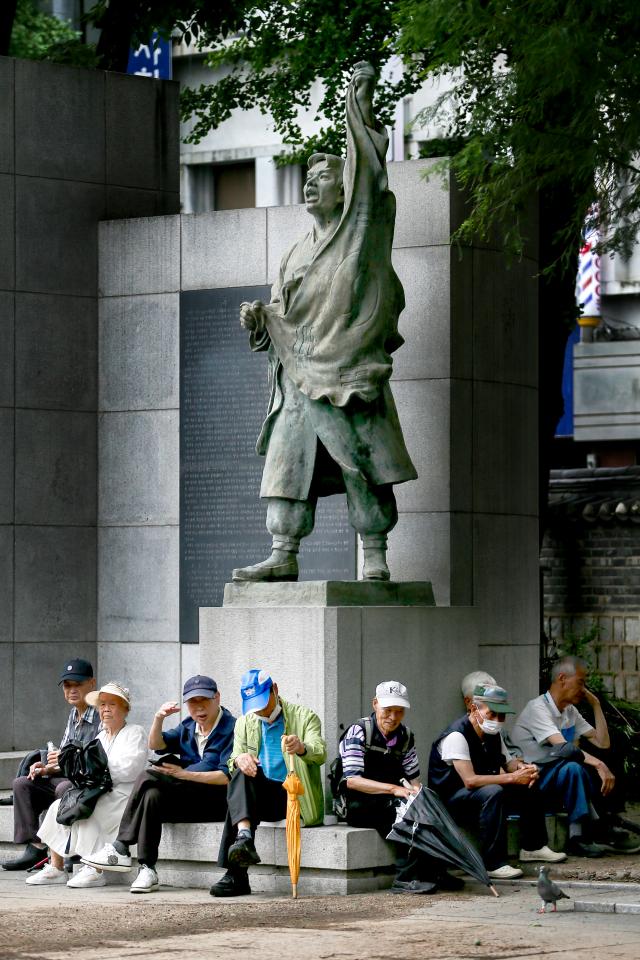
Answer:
(336, 773)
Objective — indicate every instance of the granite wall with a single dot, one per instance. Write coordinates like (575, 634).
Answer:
(76, 147)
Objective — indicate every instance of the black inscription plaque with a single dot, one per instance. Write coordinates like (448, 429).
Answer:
(223, 400)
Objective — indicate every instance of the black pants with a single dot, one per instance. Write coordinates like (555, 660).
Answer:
(379, 813)
(253, 799)
(30, 799)
(487, 807)
(156, 800)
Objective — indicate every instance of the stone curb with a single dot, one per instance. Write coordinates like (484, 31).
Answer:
(594, 885)
(605, 906)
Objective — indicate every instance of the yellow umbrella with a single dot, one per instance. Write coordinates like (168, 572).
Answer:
(293, 786)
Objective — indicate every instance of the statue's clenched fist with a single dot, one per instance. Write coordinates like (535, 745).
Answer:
(252, 315)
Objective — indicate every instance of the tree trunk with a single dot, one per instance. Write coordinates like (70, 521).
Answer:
(7, 16)
(116, 26)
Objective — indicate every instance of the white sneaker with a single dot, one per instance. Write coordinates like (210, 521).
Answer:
(109, 859)
(544, 853)
(48, 874)
(88, 877)
(146, 881)
(505, 873)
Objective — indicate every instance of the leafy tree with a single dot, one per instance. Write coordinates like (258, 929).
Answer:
(39, 36)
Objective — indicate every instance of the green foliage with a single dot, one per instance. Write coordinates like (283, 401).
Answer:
(39, 36)
(623, 718)
(542, 95)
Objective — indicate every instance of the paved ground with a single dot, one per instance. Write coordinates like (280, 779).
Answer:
(109, 924)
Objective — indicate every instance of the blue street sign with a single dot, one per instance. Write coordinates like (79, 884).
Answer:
(151, 59)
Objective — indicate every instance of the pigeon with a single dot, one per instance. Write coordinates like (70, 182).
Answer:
(549, 891)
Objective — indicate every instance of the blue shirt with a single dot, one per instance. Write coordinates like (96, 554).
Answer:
(270, 756)
(217, 750)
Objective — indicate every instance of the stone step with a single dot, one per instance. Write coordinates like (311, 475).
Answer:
(9, 763)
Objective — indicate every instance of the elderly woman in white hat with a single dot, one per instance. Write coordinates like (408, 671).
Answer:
(126, 749)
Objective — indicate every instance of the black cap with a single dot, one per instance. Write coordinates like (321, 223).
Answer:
(76, 670)
(199, 686)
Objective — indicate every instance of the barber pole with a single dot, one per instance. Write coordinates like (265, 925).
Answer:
(588, 280)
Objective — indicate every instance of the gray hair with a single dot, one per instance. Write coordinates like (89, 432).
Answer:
(568, 665)
(473, 680)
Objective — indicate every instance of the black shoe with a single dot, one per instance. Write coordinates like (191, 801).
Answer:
(243, 853)
(577, 847)
(231, 885)
(29, 858)
(445, 881)
(617, 840)
(625, 824)
(413, 886)
(6, 801)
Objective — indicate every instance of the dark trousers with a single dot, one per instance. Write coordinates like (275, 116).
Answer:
(30, 799)
(154, 801)
(379, 813)
(566, 786)
(253, 799)
(487, 807)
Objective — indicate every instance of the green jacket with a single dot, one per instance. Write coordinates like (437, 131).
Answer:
(305, 724)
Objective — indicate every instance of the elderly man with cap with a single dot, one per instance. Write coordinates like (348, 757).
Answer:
(188, 787)
(380, 766)
(269, 728)
(35, 792)
(479, 780)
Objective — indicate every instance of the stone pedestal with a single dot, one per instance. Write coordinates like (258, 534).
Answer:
(328, 645)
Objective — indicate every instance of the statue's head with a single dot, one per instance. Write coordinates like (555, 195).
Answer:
(323, 189)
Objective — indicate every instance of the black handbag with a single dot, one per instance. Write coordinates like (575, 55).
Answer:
(87, 766)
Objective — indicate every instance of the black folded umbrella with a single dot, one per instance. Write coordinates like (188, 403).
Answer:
(426, 825)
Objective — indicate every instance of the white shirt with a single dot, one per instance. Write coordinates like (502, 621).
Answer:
(540, 720)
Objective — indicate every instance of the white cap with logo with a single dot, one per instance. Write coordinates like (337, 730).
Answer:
(392, 693)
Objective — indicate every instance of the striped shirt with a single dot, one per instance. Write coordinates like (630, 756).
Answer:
(352, 750)
(83, 728)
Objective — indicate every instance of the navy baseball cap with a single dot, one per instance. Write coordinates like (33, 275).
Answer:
(199, 686)
(255, 689)
(76, 670)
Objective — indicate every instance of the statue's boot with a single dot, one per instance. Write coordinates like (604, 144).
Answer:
(281, 565)
(375, 558)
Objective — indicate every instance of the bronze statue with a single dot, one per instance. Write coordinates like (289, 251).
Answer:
(330, 329)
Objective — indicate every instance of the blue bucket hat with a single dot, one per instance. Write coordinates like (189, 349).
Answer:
(255, 689)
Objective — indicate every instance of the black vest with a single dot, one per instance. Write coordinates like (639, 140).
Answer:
(384, 763)
(486, 758)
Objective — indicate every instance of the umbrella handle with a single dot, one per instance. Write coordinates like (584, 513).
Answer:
(288, 757)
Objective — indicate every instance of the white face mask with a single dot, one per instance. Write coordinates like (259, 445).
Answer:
(491, 726)
(274, 713)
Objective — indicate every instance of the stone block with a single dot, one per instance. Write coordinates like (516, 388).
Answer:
(138, 584)
(140, 352)
(55, 586)
(151, 674)
(425, 322)
(505, 564)
(629, 659)
(424, 412)
(505, 326)
(615, 659)
(285, 225)
(7, 352)
(6, 584)
(7, 237)
(336, 848)
(632, 629)
(628, 908)
(619, 686)
(505, 449)
(189, 661)
(224, 249)
(57, 235)
(56, 352)
(60, 128)
(7, 100)
(618, 629)
(127, 203)
(594, 906)
(603, 658)
(420, 549)
(55, 467)
(139, 256)
(328, 593)
(9, 760)
(516, 668)
(7, 764)
(37, 667)
(423, 216)
(7, 466)
(144, 116)
(139, 475)
(632, 688)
